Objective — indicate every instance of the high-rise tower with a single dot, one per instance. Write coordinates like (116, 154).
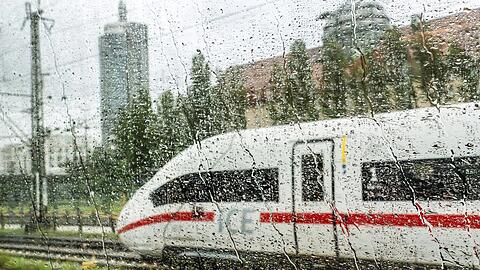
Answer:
(371, 22)
(123, 67)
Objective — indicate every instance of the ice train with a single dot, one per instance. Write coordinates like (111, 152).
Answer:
(399, 187)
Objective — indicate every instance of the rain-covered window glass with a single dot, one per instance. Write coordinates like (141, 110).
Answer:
(312, 178)
(431, 179)
(222, 186)
(100, 99)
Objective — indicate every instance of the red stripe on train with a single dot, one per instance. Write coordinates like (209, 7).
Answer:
(167, 217)
(301, 218)
(401, 220)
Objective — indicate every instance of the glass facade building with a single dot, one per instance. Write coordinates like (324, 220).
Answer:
(360, 29)
(123, 68)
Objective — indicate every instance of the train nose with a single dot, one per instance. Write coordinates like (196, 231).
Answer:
(132, 230)
(121, 221)
(127, 235)
(125, 220)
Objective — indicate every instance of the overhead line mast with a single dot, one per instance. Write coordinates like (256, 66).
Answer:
(38, 130)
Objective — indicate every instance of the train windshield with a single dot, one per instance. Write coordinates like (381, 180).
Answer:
(289, 134)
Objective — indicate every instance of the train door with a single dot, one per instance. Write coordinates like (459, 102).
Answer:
(312, 182)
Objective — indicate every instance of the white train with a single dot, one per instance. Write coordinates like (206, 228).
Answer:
(401, 187)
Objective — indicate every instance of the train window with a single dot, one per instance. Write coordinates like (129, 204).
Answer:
(433, 179)
(312, 178)
(256, 185)
(244, 186)
(187, 188)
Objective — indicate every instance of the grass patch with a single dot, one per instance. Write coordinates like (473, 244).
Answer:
(50, 233)
(8, 262)
(66, 206)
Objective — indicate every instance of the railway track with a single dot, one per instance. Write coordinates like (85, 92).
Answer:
(107, 252)
(114, 254)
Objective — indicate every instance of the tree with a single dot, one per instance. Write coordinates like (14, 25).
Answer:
(278, 108)
(304, 94)
(434, 75)
(466, 71)
(380, 79)
(104, 173)
(293, 93)
(398, 72)
(230, 96)
(365, 91)
(432, 68)
(335, 85)
(213, 109)
(198, 104)
(172, 128)
(136, 138)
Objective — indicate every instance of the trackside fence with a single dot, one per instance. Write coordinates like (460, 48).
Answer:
(75, 219)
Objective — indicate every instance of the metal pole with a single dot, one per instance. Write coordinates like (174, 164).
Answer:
(86, 140)
(38, 134)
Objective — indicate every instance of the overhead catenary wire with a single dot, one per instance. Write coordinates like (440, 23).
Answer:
(74, 62)
(15, 94)
(17, 131)
(150, 38)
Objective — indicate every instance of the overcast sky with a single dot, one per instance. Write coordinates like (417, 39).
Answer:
(229, 32)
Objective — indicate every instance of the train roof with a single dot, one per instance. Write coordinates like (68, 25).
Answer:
(417, 126)
(342, 126)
